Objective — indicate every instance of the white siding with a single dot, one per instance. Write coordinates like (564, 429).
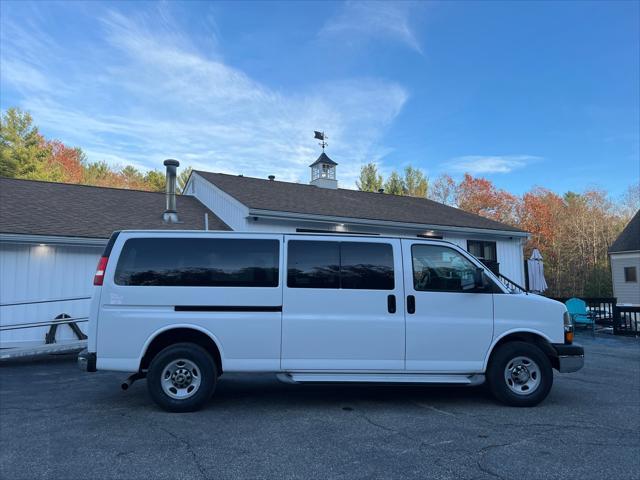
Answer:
(511, 259)
(625, 292)
(227, 208)
(42, 272)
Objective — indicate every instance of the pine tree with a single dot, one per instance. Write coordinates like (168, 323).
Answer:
(394, 184)
(370, 179)
(22, 149)
(415, 182)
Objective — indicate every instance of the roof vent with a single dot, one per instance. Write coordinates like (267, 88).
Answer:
(170, 214)
(272, 177)
(381, 190)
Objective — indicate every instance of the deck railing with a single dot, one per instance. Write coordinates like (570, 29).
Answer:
(626, 320)
(511, 285)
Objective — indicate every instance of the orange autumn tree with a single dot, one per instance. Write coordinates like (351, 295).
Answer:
(68, 161)
(540, 213)
(480, 196)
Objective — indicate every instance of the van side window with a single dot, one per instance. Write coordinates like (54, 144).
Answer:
(366, 266)
(313, 264)
(442, 269)
(198, 262)
(348, 265)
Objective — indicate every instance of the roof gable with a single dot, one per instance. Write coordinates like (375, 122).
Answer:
(45, 208)
(311, 200)
(629, 238)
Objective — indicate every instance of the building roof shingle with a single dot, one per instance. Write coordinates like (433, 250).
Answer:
(629, 238)
(46, 208)
(300, 198)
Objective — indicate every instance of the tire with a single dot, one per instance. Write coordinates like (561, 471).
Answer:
(519, 374)
(182, 378)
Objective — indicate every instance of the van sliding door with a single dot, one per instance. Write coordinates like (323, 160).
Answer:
(343, 305)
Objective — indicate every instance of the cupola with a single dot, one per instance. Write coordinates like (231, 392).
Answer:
(323, 172)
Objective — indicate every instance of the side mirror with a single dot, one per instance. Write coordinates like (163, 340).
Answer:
(478, 278)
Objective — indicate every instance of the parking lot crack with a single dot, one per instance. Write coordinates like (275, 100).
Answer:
(437, 410)
(392, 430)
(189, 448)
(484, 451)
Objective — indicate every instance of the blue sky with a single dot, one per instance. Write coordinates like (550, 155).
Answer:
(525, 94)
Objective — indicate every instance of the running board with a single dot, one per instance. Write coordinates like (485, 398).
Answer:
(292, 377)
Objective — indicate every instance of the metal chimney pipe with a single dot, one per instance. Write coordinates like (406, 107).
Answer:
(170, 214)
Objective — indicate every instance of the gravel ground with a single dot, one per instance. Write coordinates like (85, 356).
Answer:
(60, 423)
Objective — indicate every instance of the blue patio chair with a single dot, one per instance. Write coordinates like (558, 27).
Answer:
(580, 315)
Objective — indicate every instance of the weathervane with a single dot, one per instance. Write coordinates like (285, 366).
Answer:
(322, 137)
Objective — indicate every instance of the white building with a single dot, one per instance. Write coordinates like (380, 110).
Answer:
(51, 235)
(624, 255)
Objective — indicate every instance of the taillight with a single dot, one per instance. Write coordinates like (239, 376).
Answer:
(102, 266)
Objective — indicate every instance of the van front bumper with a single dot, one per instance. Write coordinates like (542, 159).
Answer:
(87, 361)
(570, 357)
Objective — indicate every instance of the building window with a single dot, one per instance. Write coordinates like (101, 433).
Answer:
(482, 250)
(630, 275)
(486, 253)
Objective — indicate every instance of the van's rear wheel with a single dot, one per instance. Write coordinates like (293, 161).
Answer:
(520, 374)
(182, 377)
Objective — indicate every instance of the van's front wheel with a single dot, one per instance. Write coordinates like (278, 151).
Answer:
(520, 374)
(182, 377)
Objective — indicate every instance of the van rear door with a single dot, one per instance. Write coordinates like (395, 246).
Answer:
(343, 304)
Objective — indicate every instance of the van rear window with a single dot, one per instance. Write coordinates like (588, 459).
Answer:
(198, 262)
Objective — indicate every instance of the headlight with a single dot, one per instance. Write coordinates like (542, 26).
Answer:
(568, 328)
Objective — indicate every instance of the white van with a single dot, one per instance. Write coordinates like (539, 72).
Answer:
(183, 307)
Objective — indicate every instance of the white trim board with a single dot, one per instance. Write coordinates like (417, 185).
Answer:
(52, 240)
(278, 215)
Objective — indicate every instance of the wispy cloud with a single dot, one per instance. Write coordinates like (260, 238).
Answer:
(146, 92)
(365, 20)
(483, 164)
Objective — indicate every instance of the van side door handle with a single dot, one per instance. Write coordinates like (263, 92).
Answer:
(411, 304)
(391, 303)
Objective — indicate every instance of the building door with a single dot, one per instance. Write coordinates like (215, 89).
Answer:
(449, 319)
(343, 305)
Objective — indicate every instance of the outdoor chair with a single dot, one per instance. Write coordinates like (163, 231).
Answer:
(580, 315)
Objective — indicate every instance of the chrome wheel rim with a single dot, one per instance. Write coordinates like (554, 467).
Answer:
(181, 379)
(522, 375)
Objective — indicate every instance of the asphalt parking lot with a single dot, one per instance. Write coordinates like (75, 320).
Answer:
(57, 422)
